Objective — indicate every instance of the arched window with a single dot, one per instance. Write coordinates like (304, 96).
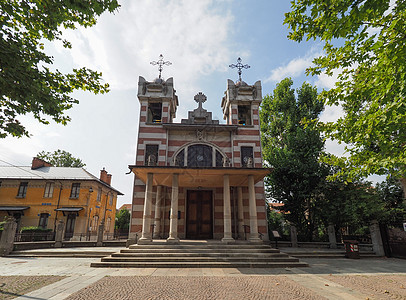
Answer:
(95, 222)
(180, 159)
(199, 155)
(108, 224)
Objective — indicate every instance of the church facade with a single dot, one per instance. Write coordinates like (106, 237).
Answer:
(198, 179)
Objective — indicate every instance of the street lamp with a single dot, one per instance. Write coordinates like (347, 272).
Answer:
(105, 207)
(89, 210)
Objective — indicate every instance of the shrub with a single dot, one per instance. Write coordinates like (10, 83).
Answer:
(34, 229)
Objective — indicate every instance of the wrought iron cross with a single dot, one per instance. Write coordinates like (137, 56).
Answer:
(160, 64)
(239, 66)
(200, 98)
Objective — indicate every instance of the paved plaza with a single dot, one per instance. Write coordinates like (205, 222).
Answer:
(72, 278)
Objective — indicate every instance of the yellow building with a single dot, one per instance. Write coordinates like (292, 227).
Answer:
(41, 195)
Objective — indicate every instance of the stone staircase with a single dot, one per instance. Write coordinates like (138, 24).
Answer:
(199, 254)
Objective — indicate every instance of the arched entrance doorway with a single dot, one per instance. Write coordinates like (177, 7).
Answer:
(199, 214)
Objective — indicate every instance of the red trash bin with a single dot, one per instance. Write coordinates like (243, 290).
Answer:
(351, 249)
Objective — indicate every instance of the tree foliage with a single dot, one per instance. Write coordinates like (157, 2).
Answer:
(123, 219)
(390, 192)
(292, 149)
(365, 42)
(61, 158)
(27, 82)
(348, 204)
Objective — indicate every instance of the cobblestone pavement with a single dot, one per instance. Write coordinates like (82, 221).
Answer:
(14, 286)
(178, 288)
(375, 278)
(373, 286)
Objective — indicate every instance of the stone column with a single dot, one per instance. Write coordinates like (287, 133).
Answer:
(59, 234)
(253, 211)
(332, 236)
(376, 238)
(100, 231)
(173, 224)
(146, 219)
(228, 238)
(293, 236)
(240, 213)
(157, 224)
(7, 237)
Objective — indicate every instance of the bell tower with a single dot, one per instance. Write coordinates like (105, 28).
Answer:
(158, 101)
(241, 101)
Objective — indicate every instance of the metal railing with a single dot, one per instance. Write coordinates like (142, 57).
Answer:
(34, 236)
(117, 235)
(247, 229)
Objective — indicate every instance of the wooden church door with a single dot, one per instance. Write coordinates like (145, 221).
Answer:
(199, 215)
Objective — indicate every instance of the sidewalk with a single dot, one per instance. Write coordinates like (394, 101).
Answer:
(372, 278)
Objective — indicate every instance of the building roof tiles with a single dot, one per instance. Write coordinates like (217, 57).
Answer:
(49, 173)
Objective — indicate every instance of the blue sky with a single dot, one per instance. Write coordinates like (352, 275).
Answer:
(201, 38)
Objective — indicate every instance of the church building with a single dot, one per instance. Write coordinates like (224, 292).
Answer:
(198, 179)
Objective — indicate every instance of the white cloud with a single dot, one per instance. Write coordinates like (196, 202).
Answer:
(325, 81)
(294, 68)
(297, 66)
(335, 148)
(20, 151)
(193, 35)
(331, 114)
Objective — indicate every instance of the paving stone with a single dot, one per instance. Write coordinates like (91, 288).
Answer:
(14, 286)
(370, 278)
(195, 287)
(374, 286)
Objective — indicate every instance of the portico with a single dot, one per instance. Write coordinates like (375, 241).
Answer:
(198, 178)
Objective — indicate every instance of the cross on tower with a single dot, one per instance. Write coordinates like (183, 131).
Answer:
(239, 66)
(160, 63)
(200, 98)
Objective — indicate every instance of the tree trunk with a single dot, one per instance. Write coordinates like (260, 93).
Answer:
(403, 181)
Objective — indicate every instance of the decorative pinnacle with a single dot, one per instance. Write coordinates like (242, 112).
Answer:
(239, 66)
(160, 63)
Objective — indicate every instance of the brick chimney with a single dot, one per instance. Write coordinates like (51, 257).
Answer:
(39, 163)
(108, 179)
(103, 175)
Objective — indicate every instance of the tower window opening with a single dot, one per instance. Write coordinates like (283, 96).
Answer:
(155, 112)
(244, 115)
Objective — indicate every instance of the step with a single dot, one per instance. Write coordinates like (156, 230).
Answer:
(198, 265)
(198, 254)
(327, 255)
(201, 246)
(199, 259)
(198, 250)
(67, 253)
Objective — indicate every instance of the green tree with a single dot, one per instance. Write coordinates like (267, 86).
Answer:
(27, 82)
(61, 158)
(348, 204)
(391, 194)
(123, 219)
(292, 149)
(365, 43)
(276, 221)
